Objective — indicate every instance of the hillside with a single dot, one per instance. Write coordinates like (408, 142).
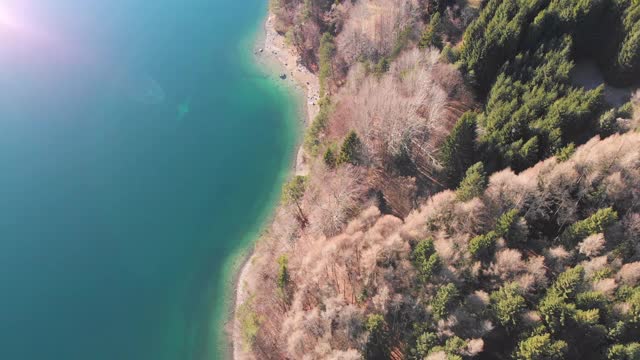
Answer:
(465, 199)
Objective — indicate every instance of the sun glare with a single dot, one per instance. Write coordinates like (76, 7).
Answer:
(10, 23)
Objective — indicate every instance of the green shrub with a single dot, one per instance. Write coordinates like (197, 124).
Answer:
(350, 150)
(596, 223)
(565, 153)
(318, 126)
(458, 150)
(432, 34)
(607, 123)
(250, 322)
(330, 158)
(443, 301)
(507, 305)
(426, 260)
(283, 273)
(540, 347)
(482, 246)
(473, 184)
(624, 352)
(325, 56)
(377, 345)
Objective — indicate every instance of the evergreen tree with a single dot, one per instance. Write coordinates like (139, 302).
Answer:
(377, 345)
(607, 124)
(458, 150)
(596, 223)
(540, 347)
(432, 34)
(444, 300)
(350, 150)
(326, 52)
(293, 192)
(424, 344)
(282, 279)
(329, 158)
(507, 305)
(565, 153)
(482, 246)
(624, 352)
(283, 272)
(425, 259)
(473, 184)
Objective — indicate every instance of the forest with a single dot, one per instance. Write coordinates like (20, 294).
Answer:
(467, 199)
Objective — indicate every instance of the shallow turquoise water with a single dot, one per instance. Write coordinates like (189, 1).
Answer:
(140, 148)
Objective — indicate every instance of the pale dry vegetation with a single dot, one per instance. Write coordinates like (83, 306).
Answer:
(407, 111)
(337, 282)
(372, 28)
(369, 257)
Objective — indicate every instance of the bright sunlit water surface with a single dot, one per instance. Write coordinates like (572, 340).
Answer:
(139, 150)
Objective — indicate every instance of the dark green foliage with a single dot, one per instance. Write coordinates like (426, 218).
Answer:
(444, 300)
(607, 124)
(492, 39)
(454, 347)
(624, 352)
(401, 42)
(458, 150)
(594, 224)
(532, 110)
(377, 346)
(424, 344)
(602, 274)
(283, 273)
(482, 246)
(294, 190)
(325, 56)
(312, 137)
(567, 284)
(625, 292)
(507, 27)
(556, 307)
(626, 65)
(425, 259)
(592, 300)
(250, 322)
(382, 66)
(520, 54)
(473, 184)
(540, 347)
(555, 311)
(626, 110)
(505, 225)
(586, 318)
(330, 158)
(350, 150)
(432, 34)
(565, 153)
(507, 305)
(449, 54)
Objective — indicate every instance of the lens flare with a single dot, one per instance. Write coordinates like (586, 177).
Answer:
(14, 27)
(26, 37)
(8, 22)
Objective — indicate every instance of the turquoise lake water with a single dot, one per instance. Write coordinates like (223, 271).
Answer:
(140, 149)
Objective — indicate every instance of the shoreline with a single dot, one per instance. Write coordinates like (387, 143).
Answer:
(271, 53)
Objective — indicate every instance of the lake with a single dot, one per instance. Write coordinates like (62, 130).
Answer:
(140, 150)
